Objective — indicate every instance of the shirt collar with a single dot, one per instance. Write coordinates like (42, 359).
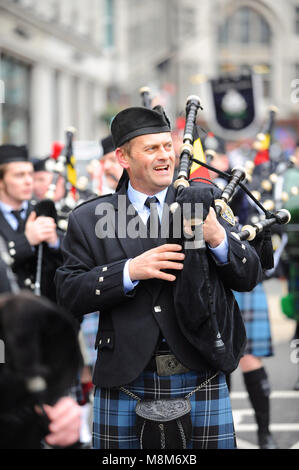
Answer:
(138, 199)
(6, 208)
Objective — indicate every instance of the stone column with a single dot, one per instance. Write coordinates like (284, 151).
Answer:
(41, 112)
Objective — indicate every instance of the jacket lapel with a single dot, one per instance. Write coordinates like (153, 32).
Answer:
(6, 230)
(124, 219)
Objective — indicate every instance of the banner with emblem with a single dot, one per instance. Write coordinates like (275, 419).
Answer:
(234, 108)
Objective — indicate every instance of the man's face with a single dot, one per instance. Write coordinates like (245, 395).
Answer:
(150, 163)
(17, 183)
(112, 169)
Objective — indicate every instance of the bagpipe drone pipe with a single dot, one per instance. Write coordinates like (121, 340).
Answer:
(62, 163)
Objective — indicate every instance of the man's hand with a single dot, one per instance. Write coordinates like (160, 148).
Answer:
(65, 422)
(149, 264)
(213, 232)
(40, 229)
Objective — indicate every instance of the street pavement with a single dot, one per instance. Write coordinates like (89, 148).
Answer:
(283, 370)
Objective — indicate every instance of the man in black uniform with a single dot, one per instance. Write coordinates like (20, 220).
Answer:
(126, 278)
(20, 226)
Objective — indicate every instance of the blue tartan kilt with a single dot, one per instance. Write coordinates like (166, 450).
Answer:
(254, 309)
(211, 414)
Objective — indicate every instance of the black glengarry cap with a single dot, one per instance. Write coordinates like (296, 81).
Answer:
(107, 144)
(136, 121)
(13, 153)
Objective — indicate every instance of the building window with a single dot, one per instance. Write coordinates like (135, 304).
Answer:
(245, 26)
(16, 108)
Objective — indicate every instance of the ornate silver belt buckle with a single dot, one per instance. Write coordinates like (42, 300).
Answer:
(167, 364)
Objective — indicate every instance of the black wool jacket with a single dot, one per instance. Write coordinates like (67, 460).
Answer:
(91, 279)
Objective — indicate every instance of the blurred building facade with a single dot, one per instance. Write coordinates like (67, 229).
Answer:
(68, 62)
(54, 65)
(173, 46)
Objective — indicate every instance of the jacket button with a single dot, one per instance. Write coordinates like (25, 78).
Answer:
(11, 244)
(157, 309)
(104, 269)
(244, 260)
(243, 246)
(12, 251)
(98, 292)
(27, 282)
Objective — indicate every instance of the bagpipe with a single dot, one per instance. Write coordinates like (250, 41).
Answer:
(61, 163)
(44, 208)
(265, 174)
(42, 359)
(267, 167)
(218, 335)
(235, 178)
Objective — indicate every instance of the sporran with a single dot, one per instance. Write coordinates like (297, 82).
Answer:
(164, 423)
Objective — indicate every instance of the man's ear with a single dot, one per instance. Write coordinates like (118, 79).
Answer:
(122, 157)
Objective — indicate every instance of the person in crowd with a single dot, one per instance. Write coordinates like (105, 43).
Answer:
(42, 180)
(22, 228)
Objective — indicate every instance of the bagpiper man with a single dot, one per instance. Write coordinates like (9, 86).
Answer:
(142, 352)
(20, 227)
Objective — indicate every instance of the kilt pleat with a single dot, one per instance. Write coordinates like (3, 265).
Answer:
(254, 309)
(211, 414)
